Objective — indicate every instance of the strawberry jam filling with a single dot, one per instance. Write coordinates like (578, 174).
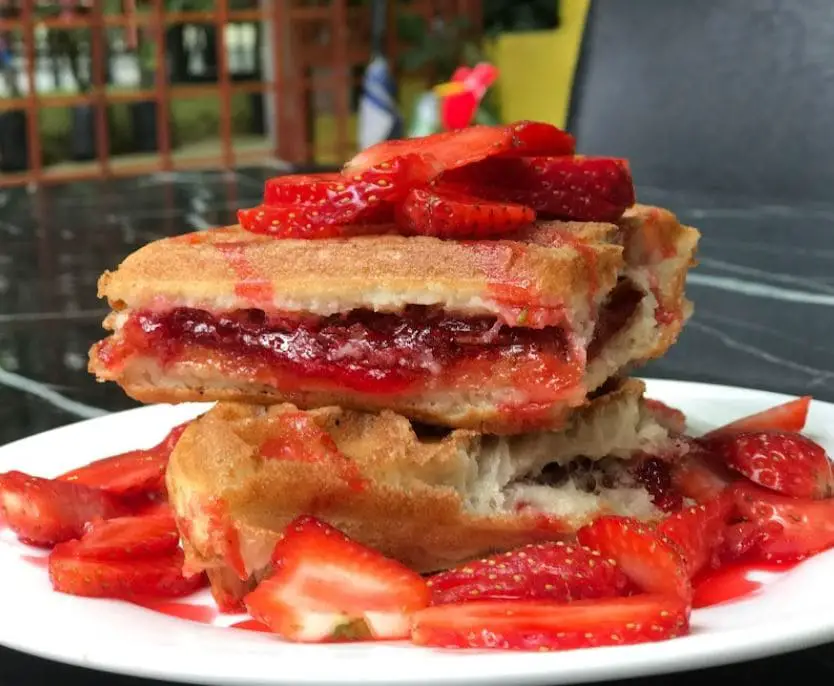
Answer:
(362, 350)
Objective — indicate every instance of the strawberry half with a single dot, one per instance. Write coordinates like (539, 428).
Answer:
(790, 416)
(543, 571)
(44, 512)
(449, 214)
(698, 531)
(453, 149)
(646, 557)
(785, 529)
(326, 587)
(782, 461)
(564, 187)
(446, 150)
(159, 576)
(541, 626)
(134, 473)
(125, 538)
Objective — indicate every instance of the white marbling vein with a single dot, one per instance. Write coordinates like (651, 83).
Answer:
(44, 392)
(819, 377)
(757, 212)
(769, 331)
(756, 289)
(722, 265)
(720, 245)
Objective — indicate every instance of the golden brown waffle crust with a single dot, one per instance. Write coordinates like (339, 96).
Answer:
(416, 504)
(380, 273)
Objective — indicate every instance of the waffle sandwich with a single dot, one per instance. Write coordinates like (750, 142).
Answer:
(500, 336)
(430, 499)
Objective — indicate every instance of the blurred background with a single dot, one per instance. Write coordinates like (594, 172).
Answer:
(92, 88)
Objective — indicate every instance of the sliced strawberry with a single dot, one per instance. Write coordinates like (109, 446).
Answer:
(449, 214)
(670, 417)
(542, 571)
(302, 189)
(533, 138)
(541, 626)
(138, 472)
(298, 222)
(646, 557)
(447, 150)
(790, 416)
(699, 476)
(656, 477)
(298, 207)
(453, 149)
(698, 531)
(565, 187)
(787, 529)
(159, 576)
(326, 587)
(782, 461)
(125, 538)
(45, 512)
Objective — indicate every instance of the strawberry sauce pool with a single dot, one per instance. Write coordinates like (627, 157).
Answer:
(734, 582)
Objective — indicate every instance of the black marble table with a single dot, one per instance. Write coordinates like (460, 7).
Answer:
(764, 295)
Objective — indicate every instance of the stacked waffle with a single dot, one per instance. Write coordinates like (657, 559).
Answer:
(429, 351)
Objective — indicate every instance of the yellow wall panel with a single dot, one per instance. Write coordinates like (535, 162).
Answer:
(537, 68)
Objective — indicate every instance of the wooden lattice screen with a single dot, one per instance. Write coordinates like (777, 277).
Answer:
(310, 61)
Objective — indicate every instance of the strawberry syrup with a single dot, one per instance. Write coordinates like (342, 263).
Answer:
(733, 583)
(252, 285)
(41, 561)
(251, 625)
(193, 613)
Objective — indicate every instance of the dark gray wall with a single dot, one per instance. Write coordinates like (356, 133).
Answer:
(728, 95)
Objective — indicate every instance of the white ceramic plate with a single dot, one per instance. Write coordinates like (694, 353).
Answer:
(793, 610)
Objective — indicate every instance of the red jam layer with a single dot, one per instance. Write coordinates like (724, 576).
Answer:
(362, 350)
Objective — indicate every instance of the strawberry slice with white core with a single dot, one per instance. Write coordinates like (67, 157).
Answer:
(449, 214)
(44, 512)
(327, 587)
(778, 528)
(545, 626)
(648, 558)
(555, 571)
(453, 149)
(126, 538)
(158, 576)
(782, 461)
(134, 473)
